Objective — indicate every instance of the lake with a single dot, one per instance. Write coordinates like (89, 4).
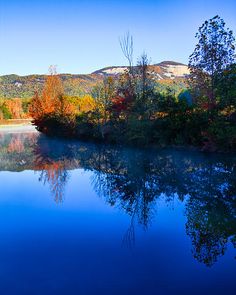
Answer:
(81, 218)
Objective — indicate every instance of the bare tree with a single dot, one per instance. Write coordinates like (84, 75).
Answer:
(126, 44)
(127, 47)
(52, 70)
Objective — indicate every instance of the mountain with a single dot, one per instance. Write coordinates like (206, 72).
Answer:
(163, 70)
(25, 86)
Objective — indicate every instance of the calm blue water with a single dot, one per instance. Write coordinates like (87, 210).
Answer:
(78, 218)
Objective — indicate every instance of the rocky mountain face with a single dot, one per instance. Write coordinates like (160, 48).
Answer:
(163, 70)
(24, 86)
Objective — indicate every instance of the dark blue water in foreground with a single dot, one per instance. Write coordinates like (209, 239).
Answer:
(79, 218)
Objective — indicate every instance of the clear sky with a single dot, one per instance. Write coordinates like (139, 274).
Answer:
(82, 36)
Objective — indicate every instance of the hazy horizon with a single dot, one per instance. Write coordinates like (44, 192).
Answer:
(81, 37)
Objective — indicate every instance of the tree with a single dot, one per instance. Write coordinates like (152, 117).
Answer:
(103, 94)
(86, 104)
(127, 47)
(47, 102)
(126, 44)
(15, 108)
(227, 88)
(145, 97)
(212, 55)
(52, 99)
(4, 111)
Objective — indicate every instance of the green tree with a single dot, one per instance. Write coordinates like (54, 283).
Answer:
(4, 111)
(214, 52)
(226, 90)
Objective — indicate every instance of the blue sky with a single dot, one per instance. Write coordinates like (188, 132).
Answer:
(82, 36)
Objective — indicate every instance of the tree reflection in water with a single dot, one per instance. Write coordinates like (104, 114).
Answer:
(210, 224)
(56, 174)
(134, 181)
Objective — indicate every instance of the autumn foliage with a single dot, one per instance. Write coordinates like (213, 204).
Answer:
(130, 109)
(51, 100)
(15, 108)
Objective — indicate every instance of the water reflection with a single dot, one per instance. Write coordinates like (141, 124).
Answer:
(210, 225)
(134, 181)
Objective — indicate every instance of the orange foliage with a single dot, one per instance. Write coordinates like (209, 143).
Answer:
(15, 108)
(47, 102)
(65, 108)
(52, 100)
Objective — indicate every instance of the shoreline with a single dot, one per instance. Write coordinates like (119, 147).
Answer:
(29, 128)
(17, 128)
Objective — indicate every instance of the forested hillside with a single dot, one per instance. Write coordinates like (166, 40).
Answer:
(166, 74)
(12, 86)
